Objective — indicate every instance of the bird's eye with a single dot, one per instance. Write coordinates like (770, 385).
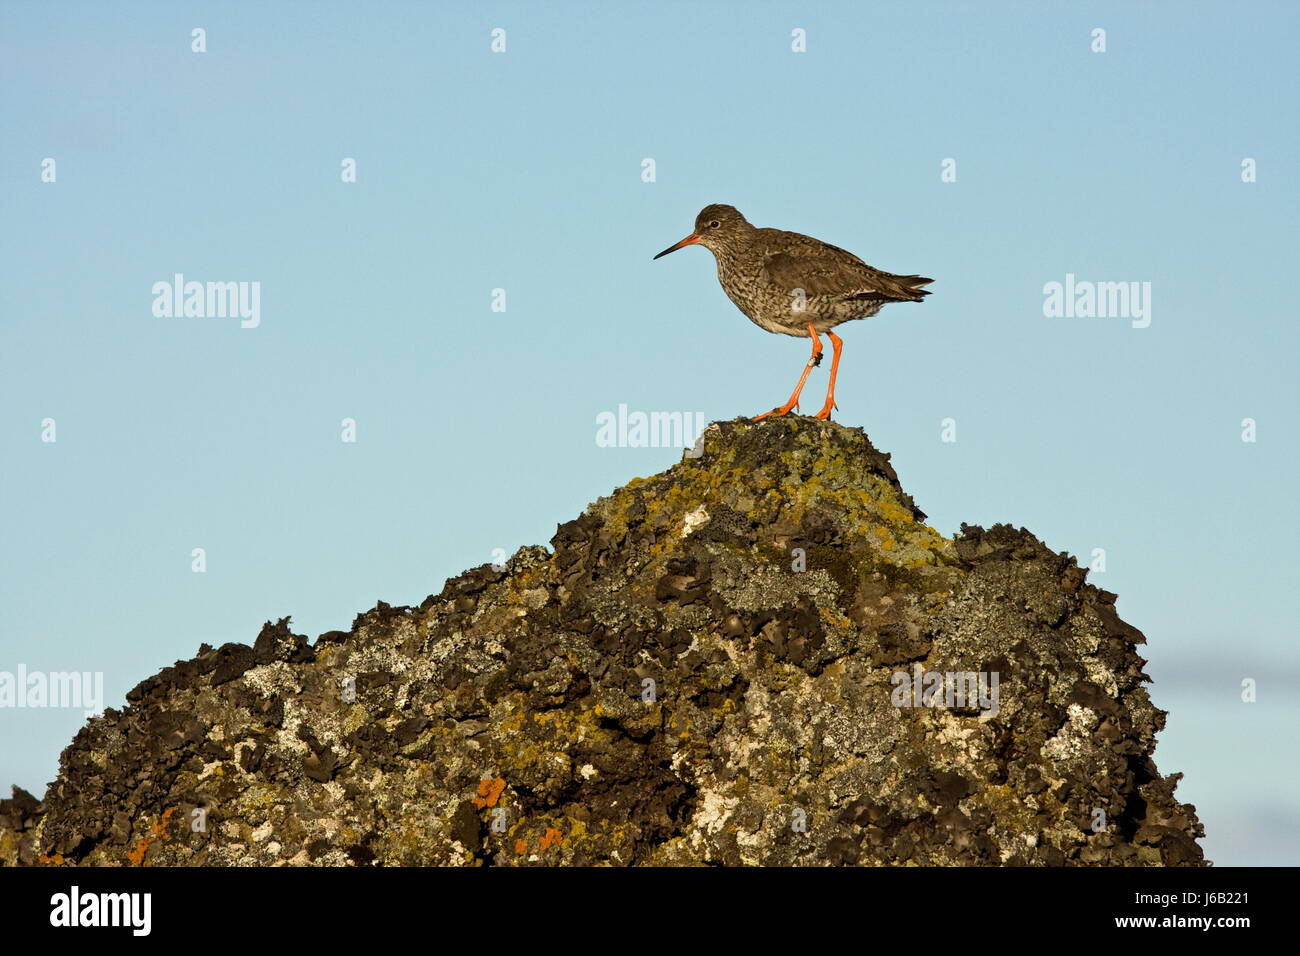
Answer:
(715, 224)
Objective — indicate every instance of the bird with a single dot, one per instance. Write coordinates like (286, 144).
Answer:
(793, 284)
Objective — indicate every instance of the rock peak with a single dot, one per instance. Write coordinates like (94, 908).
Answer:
(762, 655)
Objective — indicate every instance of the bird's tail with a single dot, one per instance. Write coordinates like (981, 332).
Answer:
(887, 287)
(912, 287)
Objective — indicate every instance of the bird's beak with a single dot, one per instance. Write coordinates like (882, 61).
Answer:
(690, 240)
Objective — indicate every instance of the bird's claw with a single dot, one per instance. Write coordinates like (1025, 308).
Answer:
(777, 412)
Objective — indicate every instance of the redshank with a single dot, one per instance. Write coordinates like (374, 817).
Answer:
(796, 285)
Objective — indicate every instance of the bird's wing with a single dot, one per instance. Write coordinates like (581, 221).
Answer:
(823, 269)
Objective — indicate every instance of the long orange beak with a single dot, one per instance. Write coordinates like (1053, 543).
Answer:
(690, 240)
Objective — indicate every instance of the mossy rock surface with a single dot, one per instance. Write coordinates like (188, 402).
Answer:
(706, 668)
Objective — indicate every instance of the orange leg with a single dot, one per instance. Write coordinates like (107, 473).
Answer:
(813, 360)
(837, 343)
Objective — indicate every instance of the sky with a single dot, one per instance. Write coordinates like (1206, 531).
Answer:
(483, 293)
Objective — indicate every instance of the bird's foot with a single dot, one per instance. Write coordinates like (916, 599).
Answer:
(776, 412)
(825, 413)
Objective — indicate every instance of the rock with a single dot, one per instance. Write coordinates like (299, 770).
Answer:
(732, 662)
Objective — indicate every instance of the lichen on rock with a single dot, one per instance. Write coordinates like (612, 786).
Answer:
(726, 663)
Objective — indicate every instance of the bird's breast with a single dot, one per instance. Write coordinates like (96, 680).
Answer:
(741, 284)
(767, 306)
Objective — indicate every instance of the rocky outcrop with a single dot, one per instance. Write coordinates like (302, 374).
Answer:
(760, 656)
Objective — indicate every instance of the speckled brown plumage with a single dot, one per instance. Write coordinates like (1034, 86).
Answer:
(793, 284)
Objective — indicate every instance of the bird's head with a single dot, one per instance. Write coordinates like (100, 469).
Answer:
(716, 227)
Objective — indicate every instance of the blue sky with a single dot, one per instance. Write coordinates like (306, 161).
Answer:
(522, 171)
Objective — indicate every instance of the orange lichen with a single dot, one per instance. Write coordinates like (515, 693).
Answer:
(552, 837)
(489, 792)
(54, 860)
(157, 831)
